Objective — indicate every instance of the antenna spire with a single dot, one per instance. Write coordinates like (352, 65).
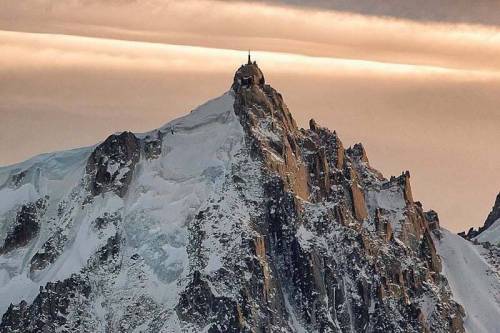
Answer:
(249, 60)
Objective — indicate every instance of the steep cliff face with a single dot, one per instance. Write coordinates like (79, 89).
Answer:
(349, 248)
(236, 221)
(490, 231)
(494, 215)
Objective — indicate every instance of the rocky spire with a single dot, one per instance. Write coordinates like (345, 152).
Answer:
(305, 235)
(493, 216)
(313, 187)
(248, 75)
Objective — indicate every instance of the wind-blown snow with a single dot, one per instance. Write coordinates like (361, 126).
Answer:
(55, 173)
(169, 191)
(14, 197)
(162, 199)
(391, 200)
(473, 283)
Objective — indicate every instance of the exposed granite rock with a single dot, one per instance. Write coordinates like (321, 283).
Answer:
(432, 219)
(358, 152)
(493, 216)
(428, 250)
(112, 164)
(261, 108)
(17, 179)
(198, 305)
(153, 145)
(25, 227)
(334, 275)
(50, 310)
(471, 233)
(300, 235)
(382, 225)
(247, 76)
(49, 252)
(357, 195)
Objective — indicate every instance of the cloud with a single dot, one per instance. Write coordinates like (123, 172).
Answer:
(28, 51)
(453, 11)
(242, 25)
(421, 96)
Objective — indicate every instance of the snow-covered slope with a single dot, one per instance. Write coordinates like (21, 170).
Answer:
(230, 219)
(491, 234)
(474, 282)
(22, 184)
(490, 231)
(165, 194)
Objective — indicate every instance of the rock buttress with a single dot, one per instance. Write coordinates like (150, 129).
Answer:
(111, 166)
(336, 272)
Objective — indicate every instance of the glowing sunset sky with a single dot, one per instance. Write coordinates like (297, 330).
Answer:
(418, 85)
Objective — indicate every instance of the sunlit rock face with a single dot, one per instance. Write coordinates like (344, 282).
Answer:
(248, 75)
(230, 219)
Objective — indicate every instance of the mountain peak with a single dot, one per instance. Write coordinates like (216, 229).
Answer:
(229, 219)
(488, 232)
(248, 75)
(494, 214)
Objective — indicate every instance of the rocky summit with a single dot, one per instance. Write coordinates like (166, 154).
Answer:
(230, 219)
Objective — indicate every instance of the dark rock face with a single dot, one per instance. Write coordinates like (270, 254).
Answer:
(432, 219)
(54, 245)
(49, 310)
(301, 235)
(153, 145)
(102, 222)
(493, 216)
(111, 165)
(333, 273)
(50, 250)
(198, 305)
(17, 179)
(110, 250)
(26, 226)
(469, 235)
(248, 75)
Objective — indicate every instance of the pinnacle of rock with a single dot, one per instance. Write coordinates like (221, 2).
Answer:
(248, 75)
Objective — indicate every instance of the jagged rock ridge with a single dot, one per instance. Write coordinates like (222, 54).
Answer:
(490, 231)
(236, 221)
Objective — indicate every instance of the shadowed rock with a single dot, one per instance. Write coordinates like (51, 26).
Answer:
(111, 166)
(49, 310)
(493, 216)
(25, 227)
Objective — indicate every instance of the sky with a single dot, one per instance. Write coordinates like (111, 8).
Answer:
(416, 82)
